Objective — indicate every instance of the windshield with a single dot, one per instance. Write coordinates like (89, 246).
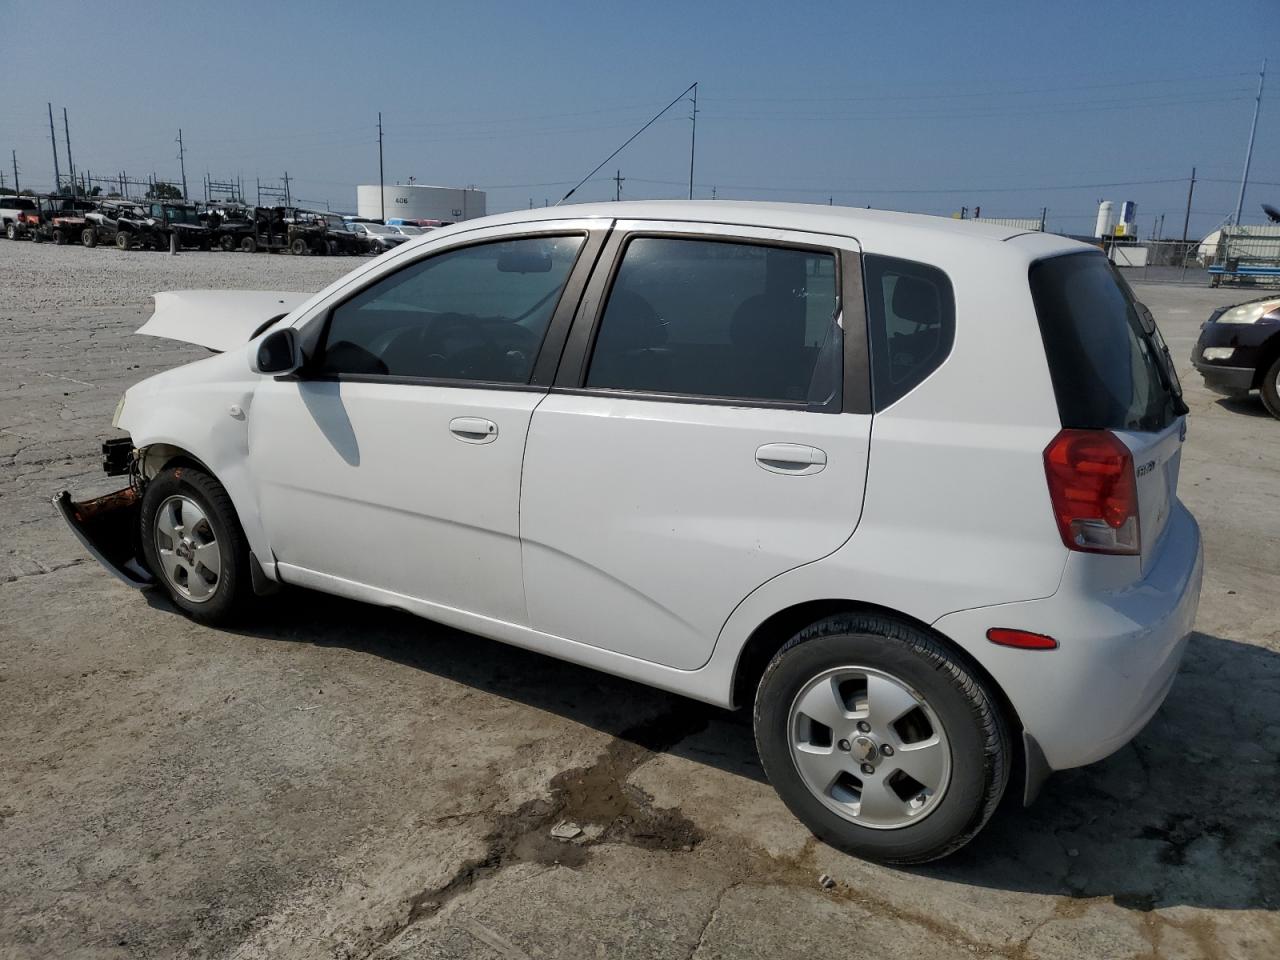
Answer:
(379, 229)
(1109, 365)
(181, 215)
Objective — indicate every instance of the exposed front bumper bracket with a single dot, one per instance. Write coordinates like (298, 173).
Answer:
(109, 529)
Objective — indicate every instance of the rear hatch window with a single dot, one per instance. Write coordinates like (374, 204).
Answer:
(1111, 370)
(1109, 365)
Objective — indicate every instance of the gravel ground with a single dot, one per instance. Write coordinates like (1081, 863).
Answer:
(40, 275)
(338, 781)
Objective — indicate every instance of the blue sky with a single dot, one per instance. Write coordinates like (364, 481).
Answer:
(913, 106)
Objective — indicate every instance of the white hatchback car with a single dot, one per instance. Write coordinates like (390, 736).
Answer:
(904, 486)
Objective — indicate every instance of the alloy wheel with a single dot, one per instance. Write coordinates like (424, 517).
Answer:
(869, 747)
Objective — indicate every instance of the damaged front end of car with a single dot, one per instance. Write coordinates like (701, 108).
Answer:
(108, 526)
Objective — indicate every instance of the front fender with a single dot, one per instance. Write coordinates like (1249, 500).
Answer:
(202, 410)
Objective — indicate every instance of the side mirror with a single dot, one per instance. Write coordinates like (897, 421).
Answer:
(277, 353)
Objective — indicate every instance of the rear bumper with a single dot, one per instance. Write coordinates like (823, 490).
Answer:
(1119, 648)
(107, 527)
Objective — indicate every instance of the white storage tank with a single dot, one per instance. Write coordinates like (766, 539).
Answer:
(413, 201)
(1106, 219)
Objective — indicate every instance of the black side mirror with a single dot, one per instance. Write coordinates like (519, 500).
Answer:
(277, 353)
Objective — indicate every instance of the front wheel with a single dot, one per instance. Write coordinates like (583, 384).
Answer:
(880, 739)
(1270, 389)
(89, 237)
(194, 545)
(122, 241)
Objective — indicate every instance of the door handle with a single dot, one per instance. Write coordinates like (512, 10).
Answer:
(794, 459)
(473, 429)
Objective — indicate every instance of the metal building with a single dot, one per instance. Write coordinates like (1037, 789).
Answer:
(412, 201)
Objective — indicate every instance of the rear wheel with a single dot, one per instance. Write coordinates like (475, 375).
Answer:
(1270, 389)
(11, 231)
(249, 245)
(880, 739)
(194, 545)
(299, 247)
(228, 243)
(60, 237)
(89, 237)
(122, 240)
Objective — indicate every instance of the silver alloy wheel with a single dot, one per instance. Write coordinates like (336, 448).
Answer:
(187, 548)
(869, 747)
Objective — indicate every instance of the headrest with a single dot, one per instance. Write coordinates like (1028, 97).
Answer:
(916, 301)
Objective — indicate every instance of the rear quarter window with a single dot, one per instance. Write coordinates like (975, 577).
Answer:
(911, 323)
(1104, 366)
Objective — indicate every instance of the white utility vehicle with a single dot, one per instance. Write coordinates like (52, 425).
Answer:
(903, 486)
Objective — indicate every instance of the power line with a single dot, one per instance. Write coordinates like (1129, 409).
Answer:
(628, 140)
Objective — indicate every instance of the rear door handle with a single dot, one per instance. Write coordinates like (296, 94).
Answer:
(795, 459)
(473, 429)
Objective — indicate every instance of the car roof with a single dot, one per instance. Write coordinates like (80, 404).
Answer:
(808, 217)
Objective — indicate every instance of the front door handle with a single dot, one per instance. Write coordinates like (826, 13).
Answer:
(473, 429)
(795, 459)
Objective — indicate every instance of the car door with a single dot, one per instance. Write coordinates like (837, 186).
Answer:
(708, 430)
(393, 459)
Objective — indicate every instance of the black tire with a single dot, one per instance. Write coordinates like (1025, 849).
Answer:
(233, 588)
(122, 240)
(299, 247)
(89, 237)
(36, 237)
(1270, 389)
(975, 730)
(60, 237)
(11, 231)
(228, 243)
(249, 245)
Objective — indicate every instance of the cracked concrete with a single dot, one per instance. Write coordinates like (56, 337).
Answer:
(336, 781)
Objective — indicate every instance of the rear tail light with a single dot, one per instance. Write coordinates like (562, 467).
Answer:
(1093, 491)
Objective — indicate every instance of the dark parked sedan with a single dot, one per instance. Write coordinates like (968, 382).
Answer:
(1239, 351)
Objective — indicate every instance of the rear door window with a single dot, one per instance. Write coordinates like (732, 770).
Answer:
(721, 319)
(1107, 361)
(911, 320)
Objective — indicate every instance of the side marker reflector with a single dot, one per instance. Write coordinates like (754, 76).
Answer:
(1022, 639)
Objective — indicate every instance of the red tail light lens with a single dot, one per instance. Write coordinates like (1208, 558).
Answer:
(1093, 491)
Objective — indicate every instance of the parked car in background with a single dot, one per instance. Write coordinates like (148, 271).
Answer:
(378, 238)
(1239, 351)
(406, 230)
(12, 209)
(749, 453)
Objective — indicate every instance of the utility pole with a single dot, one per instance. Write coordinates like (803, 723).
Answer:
(66, 129)
(182, 163)
(1186, 220)
(382, 190)
(53, 138)
(693, 137)
(16, 188)
(1044, 216)
(288, 201)
(1248, 154)
(617, 181)
(713, 193)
